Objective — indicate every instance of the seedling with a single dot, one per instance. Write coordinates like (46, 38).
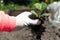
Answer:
(40, 6)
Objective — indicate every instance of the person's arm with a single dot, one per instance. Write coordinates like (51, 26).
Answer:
(9, 23)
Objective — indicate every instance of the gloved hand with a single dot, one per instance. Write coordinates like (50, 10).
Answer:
(10, 23)
(24, 20)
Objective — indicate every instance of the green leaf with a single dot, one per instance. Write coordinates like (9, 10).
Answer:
(33, 12)
(40, 6)
(45, 14)
(44, 5)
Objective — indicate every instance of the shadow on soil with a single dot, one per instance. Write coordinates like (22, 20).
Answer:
(38, 30)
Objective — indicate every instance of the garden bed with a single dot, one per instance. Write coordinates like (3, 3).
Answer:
(44, 31)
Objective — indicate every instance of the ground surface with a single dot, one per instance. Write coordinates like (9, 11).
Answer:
(44, 31)
(47, 33)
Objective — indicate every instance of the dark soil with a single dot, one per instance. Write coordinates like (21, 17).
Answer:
(44, 31)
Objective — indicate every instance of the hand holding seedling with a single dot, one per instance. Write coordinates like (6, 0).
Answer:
(8, 23)
(24, 20)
